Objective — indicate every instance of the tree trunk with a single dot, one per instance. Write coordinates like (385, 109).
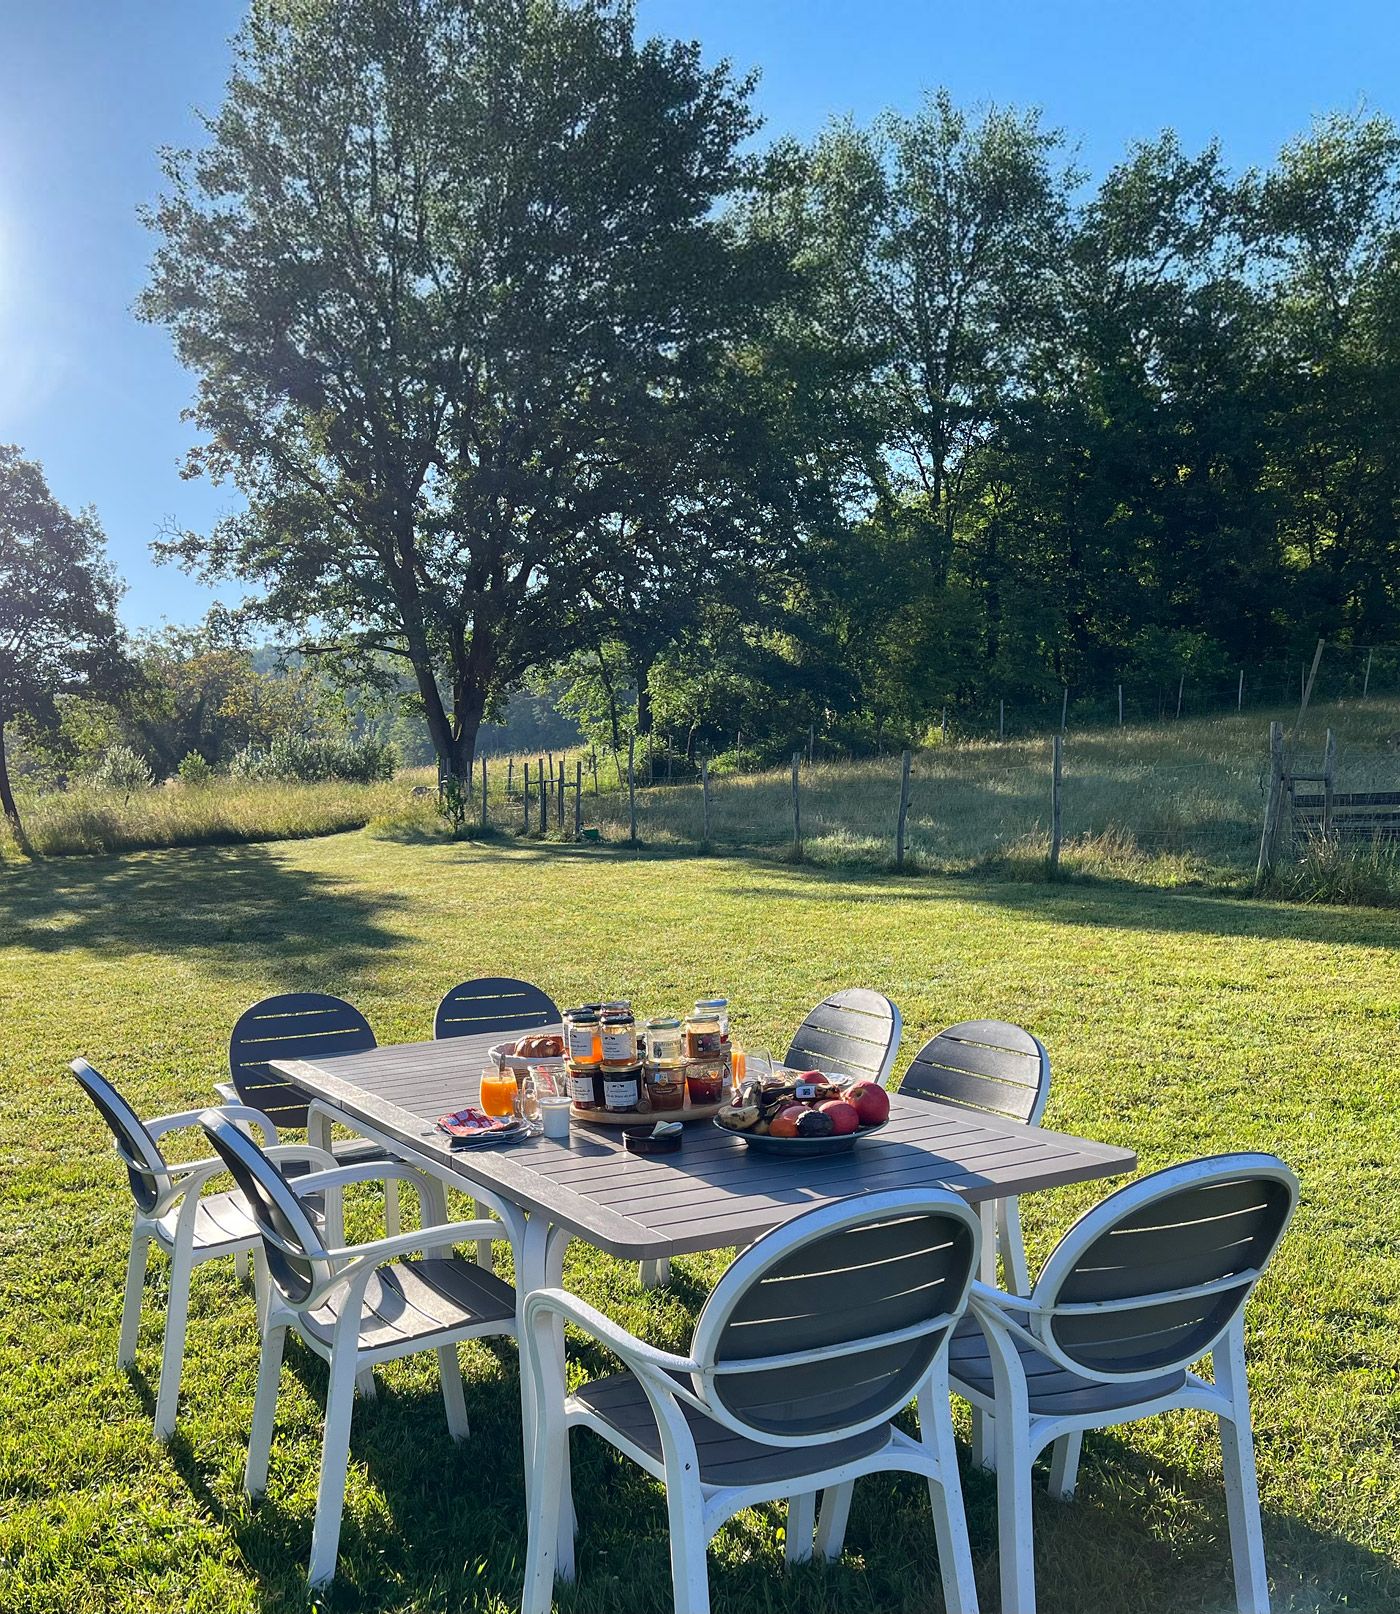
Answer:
(7, 800)
(606, 677)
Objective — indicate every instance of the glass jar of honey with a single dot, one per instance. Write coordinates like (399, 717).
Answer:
(618, 1037)
(583, 1041)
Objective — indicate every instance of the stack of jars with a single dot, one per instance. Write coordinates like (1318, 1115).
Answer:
(611, 1069)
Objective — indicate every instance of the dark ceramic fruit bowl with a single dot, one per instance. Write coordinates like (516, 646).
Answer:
(833, 1143)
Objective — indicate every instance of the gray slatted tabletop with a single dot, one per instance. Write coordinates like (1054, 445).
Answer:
(715, 1192)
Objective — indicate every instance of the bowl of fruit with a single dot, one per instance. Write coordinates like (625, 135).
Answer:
(805, 1112)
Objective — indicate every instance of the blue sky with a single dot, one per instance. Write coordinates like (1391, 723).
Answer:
(90, 89)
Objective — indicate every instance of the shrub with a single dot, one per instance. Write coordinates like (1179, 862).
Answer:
(295, 760)
(194, 771)
(120, 768)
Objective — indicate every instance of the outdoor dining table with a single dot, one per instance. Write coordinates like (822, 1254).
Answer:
(714, 1193)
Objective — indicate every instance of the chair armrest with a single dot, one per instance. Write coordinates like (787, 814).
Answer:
(161, 1124)
(633, 1351)
(360, 1260)
(989, 1295)
(302, 1151)
(338, 1176)
(228, 1092)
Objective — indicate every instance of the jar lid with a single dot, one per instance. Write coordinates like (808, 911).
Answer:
(617, 1003)
(662, 1025)
(617, 1017)
(712, 1003)
(581, 1016)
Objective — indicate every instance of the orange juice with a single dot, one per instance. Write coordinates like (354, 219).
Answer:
(737, 1063)
(498, 1091)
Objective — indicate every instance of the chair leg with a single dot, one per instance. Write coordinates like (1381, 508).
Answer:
(264, 1411)
(1014, 1526)
(1064, 1465)
(831, 1523)
(453, 1397)
(240, 1265)
(654, 1273)
(365, 1386)
(946, 1499)
(801, 1519)
(544, 1515)
(393, 1218)
(173, 1356)
(1241, 1477)
(131, 1300)
(483, 1255)
(690, 1579)
(335, 1457)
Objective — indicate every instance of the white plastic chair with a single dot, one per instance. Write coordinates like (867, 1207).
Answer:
(811, 1342)
(1141, 1287)
(355, 1306)
(173, 1211)
(993, 1068)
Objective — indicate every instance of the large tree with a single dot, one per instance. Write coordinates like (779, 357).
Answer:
(450, 276)
(58, 598)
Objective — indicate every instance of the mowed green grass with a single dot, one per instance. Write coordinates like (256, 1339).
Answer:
(1178, 1023)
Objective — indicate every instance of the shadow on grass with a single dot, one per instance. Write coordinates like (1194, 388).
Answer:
(228, 904)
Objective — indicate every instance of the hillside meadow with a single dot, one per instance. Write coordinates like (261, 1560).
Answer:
(1178, 1023)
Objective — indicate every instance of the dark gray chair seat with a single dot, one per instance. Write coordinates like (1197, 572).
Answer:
(413, 1300)
(1054, 1390)
(726, 1458)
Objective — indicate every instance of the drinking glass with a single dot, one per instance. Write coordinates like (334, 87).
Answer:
(498, 1092)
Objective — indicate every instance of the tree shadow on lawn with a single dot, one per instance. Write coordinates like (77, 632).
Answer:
(237, 907)
(1089, 902)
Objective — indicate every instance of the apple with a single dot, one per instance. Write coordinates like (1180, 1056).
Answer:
(844, 1117)
(871, 1102)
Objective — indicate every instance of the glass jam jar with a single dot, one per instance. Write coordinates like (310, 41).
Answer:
(585, 1086)
(618, 1037)
(661, 1042)
(622, 1088)
(703, 1036)
(715, 1008)
(582, 1036)
(665, 1085)
(707, 1080)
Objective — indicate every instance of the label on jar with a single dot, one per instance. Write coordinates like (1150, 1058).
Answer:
(619, 1044)
(582, 1040)
(703, 1044)
(583, 1090)
(621, 1092)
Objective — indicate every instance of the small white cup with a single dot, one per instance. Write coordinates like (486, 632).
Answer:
(555, 1111)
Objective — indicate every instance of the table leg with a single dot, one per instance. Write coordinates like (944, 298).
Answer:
(540, 1265)
(987, 1213)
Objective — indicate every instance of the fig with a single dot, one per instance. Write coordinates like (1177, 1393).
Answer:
(815, 1124)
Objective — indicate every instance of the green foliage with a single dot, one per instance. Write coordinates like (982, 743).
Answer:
(194, 771)
(119, 768)
(292, 758)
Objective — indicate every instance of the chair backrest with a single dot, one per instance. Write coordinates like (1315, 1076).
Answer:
(297, 1261)
(1148, 1280)
(828, 1325)
(987, 1065)
(493, 1003)
(291, 1025)
(146, 1167)
(854, 1032)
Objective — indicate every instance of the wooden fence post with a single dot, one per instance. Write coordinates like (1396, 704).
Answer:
(1272, 804)
(705, 802)
(739, 751)
(559, 816)
(811, 743)
(631, 789)
(544, 782)
(903, 810)
(1064, 710)
(593, 762)
(527, 798)
(1180, 691)
(1001, 722)
(1329, 768)
(1366, 681)
(578, 798)
(1308, 684)
(1057, 752)
(943, 727)
(796, 804)
(510, 777)
(483, 792)
(1239, 699)
(1120, 706)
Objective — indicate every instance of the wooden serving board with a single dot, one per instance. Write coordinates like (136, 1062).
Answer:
(688, 1112)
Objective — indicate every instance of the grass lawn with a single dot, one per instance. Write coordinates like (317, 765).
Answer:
(1178, 1023)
